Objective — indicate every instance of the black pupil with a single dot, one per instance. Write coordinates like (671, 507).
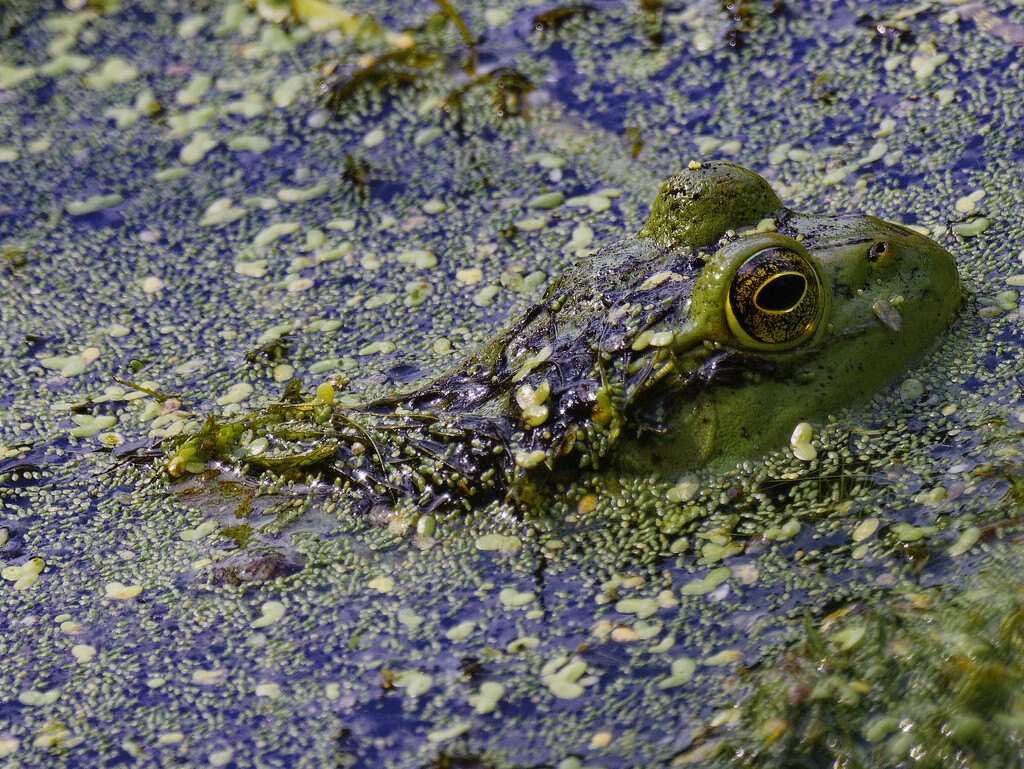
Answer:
(781, 293)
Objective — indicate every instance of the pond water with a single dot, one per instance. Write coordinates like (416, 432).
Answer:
(185, 229)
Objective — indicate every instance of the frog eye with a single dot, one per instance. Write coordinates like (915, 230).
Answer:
(774, 298)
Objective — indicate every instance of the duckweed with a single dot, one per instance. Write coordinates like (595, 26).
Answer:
(415, 683)
(38, 699)
(94, 203)
(451, 732)
(114, 70)
(712, 580)
(487, 698)
(682, 673)
(88, 515)
(971, 227)
(512, 597)
(546, 201)
(121, 592)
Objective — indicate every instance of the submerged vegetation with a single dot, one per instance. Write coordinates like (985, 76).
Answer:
(927, 679)
(417, 58)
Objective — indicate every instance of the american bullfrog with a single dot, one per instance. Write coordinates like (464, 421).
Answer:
(707, 337)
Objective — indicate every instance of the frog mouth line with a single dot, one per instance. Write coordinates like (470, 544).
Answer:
(731, 366)
(725, 367)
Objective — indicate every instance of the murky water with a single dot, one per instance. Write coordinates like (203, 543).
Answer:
(184, 230)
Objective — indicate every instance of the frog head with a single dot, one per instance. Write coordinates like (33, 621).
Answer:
(707, 337)
(791, 316)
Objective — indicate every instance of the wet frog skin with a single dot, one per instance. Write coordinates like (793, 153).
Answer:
(884, 294)
(705, 338)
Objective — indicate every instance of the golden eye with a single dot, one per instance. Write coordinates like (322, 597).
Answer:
(774, 298)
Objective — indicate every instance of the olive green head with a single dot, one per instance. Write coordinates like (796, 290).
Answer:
(793, 291)
(789, 320)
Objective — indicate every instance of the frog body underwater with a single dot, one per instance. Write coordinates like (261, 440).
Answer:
(705, 338)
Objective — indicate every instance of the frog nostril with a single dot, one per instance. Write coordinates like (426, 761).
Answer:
(877, 251)
(782, 293)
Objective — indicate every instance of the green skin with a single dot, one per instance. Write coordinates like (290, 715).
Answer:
(634, 358)
(711, 394)
(851, 353)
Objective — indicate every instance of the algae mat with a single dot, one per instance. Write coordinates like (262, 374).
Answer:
(184, 229)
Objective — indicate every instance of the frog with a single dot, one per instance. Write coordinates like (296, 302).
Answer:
(704, 339)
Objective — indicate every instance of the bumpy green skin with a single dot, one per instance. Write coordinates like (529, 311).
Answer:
(630, 359)
(695, 208)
